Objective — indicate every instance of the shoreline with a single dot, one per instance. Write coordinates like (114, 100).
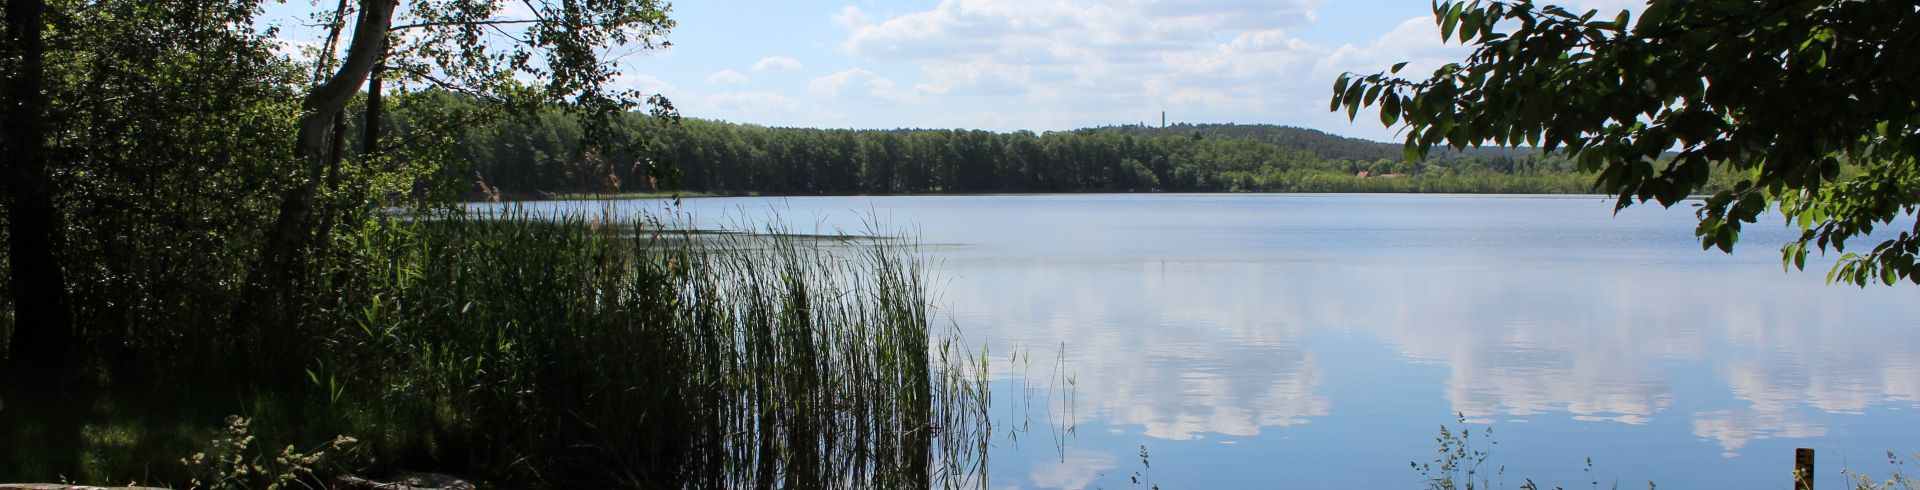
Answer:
(634, 196)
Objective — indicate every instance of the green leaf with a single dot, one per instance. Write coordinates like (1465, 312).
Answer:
(1655, 14)
(1396, 69)
(1339, 91)
(1352, 99)
(1470, 26)
(1390, 110)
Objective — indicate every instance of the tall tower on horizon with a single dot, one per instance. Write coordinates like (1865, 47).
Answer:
(1163, 119)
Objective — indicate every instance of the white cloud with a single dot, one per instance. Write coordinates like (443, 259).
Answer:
(1100, 62)
(758, 107)
(977, 78)
(1607, 8)
(646, 84)
(852, 17)
(727, 77)
(776, 63)
(1106, 62)
(1062, 64)
(1065, 31)
(1415, 41)
(870, 83)
(752, 102)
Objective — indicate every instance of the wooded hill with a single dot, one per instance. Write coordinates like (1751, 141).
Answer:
(540, 156)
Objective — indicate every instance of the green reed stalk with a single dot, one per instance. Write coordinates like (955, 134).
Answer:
(567, 350)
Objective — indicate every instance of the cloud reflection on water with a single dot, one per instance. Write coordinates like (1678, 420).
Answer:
(1186, 364)
(1189, 348)
(1332, 329)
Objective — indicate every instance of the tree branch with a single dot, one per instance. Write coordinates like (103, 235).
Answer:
(464, 23)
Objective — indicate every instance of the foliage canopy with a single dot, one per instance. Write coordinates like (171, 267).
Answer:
(156, 149)
(1810, 102)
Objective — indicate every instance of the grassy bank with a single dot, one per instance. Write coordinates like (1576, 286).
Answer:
(536, 353)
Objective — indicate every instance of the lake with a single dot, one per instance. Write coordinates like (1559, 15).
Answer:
(1322, 340)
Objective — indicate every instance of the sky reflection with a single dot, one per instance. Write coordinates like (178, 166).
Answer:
(1321, 339)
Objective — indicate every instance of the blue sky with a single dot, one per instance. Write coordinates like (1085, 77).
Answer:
(1034, 64)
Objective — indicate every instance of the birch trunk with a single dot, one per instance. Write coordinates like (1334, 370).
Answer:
(270, 277)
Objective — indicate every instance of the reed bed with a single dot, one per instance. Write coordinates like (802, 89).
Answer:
(562, 350)
(539, 352)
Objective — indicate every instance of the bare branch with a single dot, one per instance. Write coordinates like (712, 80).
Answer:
(464, 23)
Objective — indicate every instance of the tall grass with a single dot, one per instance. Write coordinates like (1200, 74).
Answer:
(536, 351)
(571, 351)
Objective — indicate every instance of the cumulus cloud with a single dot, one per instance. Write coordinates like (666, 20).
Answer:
(752, 102)
(1061, 30)
(1099, 62)
(758, 107)
(645, 84)
(727, 77)
(1606, 7)
(1415, 41)
(976, 78)
(852, 17)
(857, 81)
(1102, 62)
(776, 63)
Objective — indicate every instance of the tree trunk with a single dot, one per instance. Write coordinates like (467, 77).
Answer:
(371, 143)
(35, 379)
(270, 277)
(335, 157)
(43, 321)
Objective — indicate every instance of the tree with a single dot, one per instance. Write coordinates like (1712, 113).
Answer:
(1809, 103)
(482, 48)
(43, 320)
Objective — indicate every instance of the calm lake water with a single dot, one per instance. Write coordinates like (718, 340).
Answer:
(1262, 341)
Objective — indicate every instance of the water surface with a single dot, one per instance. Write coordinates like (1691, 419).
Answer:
(1321, 340)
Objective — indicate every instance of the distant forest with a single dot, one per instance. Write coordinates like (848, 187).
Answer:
(542, 156)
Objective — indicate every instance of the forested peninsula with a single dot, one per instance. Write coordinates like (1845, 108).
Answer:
(540, 156)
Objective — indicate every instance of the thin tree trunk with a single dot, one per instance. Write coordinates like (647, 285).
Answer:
(367, 149)
(43, 320)
(375, 106)
(270, 277)
(335, 157)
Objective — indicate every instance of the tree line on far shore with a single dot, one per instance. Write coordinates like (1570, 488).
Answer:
(540, 156)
